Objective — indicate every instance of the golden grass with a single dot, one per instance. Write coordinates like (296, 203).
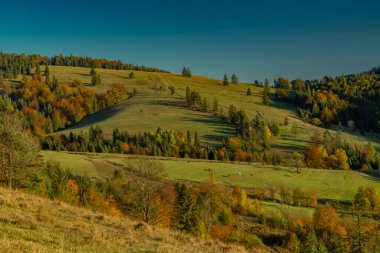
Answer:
(33, 224)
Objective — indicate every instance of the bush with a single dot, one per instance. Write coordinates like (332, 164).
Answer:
(247, 239)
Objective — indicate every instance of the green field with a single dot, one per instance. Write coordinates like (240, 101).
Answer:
(328, 184)
(151, 108)
(147, 112)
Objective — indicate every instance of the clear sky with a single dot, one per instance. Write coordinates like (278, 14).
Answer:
(255, 39)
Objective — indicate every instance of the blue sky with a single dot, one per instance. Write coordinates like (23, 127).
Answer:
(254, 39)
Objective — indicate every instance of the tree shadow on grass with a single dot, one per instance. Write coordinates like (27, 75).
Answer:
(373, 175)
(97, 117)
(81, 74)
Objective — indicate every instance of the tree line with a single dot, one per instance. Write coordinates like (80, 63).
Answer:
(13, 65)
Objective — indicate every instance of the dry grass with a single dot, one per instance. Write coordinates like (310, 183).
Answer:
(32, 224)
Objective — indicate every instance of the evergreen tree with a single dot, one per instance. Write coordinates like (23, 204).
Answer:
(47, 76)
(92, 72)
(55, 83)
(234, 79)
(186, 72)
(95, 80)
(47, 71)
(28, 70)
(188, 96)
(215, 108)
(38, 69)
(189, 137)
(266, 100)
(188, 215)
(204, 105)
(197, 142)
(286, 122)
(225, 80)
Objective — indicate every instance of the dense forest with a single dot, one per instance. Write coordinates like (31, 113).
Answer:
(13, 65)
(349, 100)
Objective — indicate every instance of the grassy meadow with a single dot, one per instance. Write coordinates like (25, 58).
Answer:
(147, 112)
(151, 108)
(328, 184)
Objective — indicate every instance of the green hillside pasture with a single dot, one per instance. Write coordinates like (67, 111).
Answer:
(328, 184)
(211, 89)
(80, 164)
(147, 112)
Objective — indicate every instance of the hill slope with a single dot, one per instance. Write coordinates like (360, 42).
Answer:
(33, 224)
(328, 184)
(158, 108)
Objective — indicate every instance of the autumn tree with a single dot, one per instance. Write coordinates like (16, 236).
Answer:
(147, 190)
(298, 158)
(315, 157)
(266, 100)
(339, 160)
(327, 224)
(18, 149)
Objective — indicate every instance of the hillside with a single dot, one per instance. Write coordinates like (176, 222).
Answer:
(160, 109)
(33, 224)
(328, 184)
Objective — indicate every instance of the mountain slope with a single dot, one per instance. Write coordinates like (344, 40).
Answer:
(161, 109)
(32, 224)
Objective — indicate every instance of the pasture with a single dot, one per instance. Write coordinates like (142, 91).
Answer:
(152, 107)
(328, 184)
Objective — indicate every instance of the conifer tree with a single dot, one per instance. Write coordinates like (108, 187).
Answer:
(38, 69)
(204, 105)
(186, 72)
(234, 79)
(188, 217)
(225, 80)
(46, 71)
(215, 108)
(47, 76)
(189, 137)
(189, 72)
(188, 96)
(93, 71)
(266, 100)
(197, 142)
